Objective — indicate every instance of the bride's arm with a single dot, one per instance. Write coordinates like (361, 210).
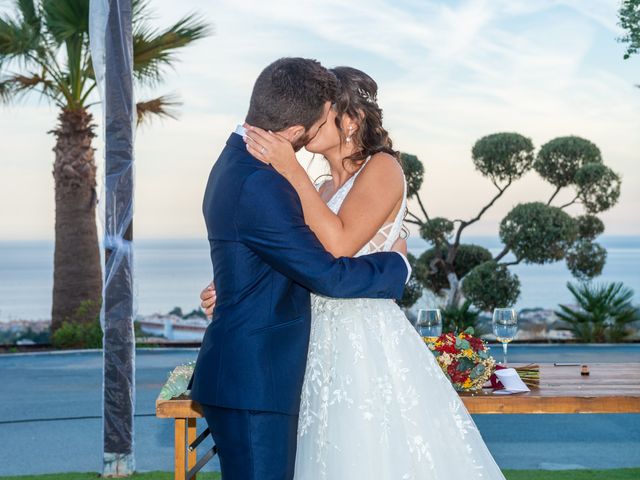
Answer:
(375, 194)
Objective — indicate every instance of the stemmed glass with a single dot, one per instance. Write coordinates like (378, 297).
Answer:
(429, 324)
(505, 326)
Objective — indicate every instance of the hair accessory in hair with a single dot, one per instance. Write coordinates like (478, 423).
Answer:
(368, 97)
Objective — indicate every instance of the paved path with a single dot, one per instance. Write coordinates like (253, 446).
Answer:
(50, 407)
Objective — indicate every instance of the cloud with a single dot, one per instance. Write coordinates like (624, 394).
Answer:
(448, 72)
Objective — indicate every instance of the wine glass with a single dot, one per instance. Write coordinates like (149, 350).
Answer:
(429, 324)
(505, 326)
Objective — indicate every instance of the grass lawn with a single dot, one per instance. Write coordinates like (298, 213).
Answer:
(613, 474)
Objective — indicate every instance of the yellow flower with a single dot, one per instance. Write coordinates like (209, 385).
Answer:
(467, 383)
(468, 353)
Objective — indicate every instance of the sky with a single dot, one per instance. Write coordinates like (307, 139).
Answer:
(449, 72)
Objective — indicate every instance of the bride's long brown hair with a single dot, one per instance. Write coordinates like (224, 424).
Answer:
(358, 98)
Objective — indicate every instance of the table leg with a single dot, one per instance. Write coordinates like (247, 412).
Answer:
(180, 449)
(191, 436)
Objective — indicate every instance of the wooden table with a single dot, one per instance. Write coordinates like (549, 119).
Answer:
(609, 388)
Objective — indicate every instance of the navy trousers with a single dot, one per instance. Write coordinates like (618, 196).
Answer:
(253, 445)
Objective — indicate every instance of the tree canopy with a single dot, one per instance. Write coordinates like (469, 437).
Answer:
(532, 232)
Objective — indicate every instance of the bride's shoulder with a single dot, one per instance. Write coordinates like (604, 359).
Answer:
(383, 168)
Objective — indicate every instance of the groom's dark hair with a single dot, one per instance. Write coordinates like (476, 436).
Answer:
(291, 91)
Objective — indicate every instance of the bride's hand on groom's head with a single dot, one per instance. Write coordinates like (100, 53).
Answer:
(208, 299)
(272, 148)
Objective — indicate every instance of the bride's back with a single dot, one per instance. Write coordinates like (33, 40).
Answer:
(388, 232)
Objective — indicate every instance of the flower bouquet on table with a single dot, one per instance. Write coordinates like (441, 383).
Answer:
(464, 359)
(178, 381)
(529, 374)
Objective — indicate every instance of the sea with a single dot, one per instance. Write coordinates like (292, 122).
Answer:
(171, 273)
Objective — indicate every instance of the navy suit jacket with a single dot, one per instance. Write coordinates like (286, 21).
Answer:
(266, 261)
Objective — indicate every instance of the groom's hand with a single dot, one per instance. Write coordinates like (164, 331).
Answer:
(208, 299)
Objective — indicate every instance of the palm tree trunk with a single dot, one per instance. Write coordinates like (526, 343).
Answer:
(77, 276)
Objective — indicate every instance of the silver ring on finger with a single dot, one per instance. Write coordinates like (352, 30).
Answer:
(263, 150)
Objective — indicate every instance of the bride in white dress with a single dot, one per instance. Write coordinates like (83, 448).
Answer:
(375, 404)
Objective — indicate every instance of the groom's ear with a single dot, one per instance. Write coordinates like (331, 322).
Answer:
(293, 133)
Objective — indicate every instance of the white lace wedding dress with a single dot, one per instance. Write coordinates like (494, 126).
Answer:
(375, 404)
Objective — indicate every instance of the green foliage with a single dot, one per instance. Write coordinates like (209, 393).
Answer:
(48, 43)
(137, 329)
(559, 160)
(534, 232)
(467, 257)
(413, 171)
(437, 230)
(413, 289)
(81, 330)
(490, 286)
(604, 313)
(589, 226)
(538, 233)
(196, 312)
(87, 312)
(586, 259)
(458, 319)
(503, 156)
(78, 335)
(629, 15)
(598, 187)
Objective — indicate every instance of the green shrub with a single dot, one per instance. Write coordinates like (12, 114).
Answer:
(490, 286)
(604, 314)
(458, 319)
(78, 335)
(538, 233)
(81, 330)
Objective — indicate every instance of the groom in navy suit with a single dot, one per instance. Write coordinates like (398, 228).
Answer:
(266, 261)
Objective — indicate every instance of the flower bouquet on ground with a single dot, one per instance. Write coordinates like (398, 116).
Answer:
(464, 359)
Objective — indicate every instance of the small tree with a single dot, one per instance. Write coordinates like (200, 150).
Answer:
(629, 16)
(535, 232)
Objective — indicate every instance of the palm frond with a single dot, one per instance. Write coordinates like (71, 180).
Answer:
(605, 311)
(155, 49)
(17, 39)
(66, 19)
(32, 37)
(29, 13)
(160, 107)
(141, 11)
(14, 86)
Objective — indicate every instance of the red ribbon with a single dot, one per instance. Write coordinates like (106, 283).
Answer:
(495, 383)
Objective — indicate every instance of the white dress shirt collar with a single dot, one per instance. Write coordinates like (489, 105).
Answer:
(240, 130)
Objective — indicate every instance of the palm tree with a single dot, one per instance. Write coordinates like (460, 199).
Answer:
(604, 314)
(44, 49)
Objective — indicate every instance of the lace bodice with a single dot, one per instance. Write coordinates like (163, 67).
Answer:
(384, 239)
